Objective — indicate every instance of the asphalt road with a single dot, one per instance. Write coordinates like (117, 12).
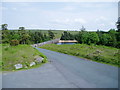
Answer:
(63, 71)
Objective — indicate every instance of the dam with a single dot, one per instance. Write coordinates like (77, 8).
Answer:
(56, 41)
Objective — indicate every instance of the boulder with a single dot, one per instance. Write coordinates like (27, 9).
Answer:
(39, 59)
(18, 66)
(37, 56)
(32, 63)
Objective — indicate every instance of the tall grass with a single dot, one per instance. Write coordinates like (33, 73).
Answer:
(21, 54)
(102, 54)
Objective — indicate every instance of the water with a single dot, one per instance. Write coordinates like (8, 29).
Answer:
(65, 43)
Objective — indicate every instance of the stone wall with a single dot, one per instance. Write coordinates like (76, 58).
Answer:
(47, 42)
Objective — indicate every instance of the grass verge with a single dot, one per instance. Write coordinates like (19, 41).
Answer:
(102, 54)
(21, 54)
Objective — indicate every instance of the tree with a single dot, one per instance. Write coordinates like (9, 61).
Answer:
(21, 31)
(84, 37)
(118, 24)
(4, 26)
(25, 38)
(46, 38)
(100, 37)
(72, 37)
(5, 36)
(62, 37)
(15, 36)
(82, 29)
(112, 33)
(14, 42)
(51, 34)
(21, 28)
(93, 38)
(106, 39)
(78, 37)
(67, 36)
(118, 39)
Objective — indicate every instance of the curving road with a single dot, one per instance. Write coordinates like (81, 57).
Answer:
(64, 71)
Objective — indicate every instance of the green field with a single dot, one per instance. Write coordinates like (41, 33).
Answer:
(102, 54)
(57, 33)
(21, 54)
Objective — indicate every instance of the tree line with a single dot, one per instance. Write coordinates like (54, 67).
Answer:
(110, 38)
(22, 36)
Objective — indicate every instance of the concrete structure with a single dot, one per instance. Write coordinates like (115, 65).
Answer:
(53, 42)
(47, 42)
(73, 41)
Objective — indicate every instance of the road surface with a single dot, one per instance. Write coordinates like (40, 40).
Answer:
(64, 71)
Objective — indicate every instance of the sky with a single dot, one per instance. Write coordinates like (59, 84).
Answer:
(60, 15)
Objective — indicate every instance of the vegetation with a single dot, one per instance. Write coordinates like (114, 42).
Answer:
(51, 34)
(21, 54)
(86, 48)
(67, 36)
(14, 53)
(14, 42)
(4, 26)
(23, 36)
(110, 38)
(103, 54)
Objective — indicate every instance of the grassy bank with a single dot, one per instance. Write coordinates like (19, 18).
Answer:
(102, 54)
(21, 54)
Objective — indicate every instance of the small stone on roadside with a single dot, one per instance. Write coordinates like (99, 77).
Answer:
(39, 59)
(18, 66)
(32, 63)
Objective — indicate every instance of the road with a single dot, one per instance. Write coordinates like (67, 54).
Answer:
(64, 71)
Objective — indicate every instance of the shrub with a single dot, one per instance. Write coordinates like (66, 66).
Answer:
(14, 42)
(77, 54)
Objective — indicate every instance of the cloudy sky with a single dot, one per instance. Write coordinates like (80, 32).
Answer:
(60, 15)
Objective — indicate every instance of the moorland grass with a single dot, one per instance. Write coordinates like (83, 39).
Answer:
(21, 54)
(57, 33)
(102, 54)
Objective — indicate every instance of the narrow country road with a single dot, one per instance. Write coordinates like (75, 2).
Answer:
(64, 71)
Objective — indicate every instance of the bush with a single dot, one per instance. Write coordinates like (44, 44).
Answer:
(14, 42)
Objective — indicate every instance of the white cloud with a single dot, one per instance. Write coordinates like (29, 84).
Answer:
(60, 0)
(3, 8)
(61, 21)
(67, 16)
(69, 21)
(34, 26)
(80, 20)
(14, 8)
(102, 24)
(68, 8)
(24, 4)
(101, 18)
(112, 23)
